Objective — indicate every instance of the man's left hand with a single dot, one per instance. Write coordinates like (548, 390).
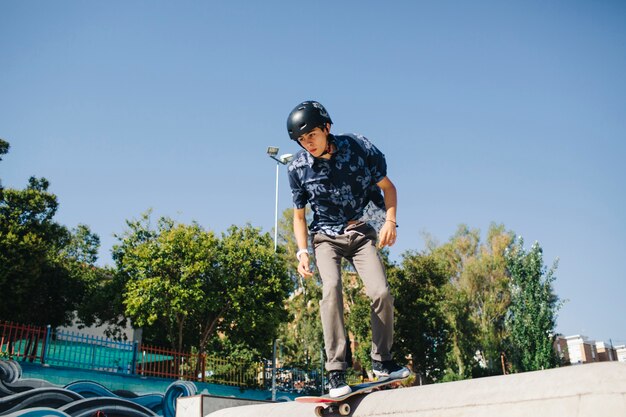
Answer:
(387, 235)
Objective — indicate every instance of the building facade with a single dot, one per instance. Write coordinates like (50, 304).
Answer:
(578, 349)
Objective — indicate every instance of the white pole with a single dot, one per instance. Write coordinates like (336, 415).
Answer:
(276, 213)
(274, 372)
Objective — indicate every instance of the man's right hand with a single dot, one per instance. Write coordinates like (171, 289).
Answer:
(303, 266)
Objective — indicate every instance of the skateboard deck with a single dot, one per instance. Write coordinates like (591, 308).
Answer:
(338, 404)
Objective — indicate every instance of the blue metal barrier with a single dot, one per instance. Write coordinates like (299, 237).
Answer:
(76, 350)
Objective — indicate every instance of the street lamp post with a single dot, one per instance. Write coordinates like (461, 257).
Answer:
(276, 342)
(284, 159)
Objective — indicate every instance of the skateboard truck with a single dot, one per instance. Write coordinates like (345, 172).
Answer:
(343, 409)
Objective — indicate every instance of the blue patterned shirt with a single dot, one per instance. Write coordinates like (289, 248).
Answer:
(342, 188)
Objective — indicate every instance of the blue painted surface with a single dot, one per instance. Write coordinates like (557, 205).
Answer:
(29, 390)
(21, 396)
(136, 384)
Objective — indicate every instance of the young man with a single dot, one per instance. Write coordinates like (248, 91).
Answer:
(341, 177)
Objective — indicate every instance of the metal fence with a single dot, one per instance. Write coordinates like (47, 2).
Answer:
(161, 362)
(76, 350)
(295, 380)
(50, 346)
(20, 341)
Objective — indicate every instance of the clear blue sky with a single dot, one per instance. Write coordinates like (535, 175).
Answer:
(507, 112)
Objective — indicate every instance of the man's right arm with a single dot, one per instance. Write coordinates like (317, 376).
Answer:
(300, 230)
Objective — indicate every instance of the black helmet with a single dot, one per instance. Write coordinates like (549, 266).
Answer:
(305, 117)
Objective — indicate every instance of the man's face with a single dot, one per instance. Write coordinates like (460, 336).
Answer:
(315, 141)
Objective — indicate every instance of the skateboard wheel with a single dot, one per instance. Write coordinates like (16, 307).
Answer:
(319, 411)
(344, 409)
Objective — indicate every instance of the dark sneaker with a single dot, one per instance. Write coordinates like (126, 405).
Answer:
(389, 370)
(338, 386)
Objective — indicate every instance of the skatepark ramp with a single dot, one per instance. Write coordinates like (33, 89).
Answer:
(573, 391)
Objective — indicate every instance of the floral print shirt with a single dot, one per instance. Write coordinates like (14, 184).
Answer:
(342, 188)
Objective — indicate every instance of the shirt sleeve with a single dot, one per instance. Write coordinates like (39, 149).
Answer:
(376, 162)
(298, 192)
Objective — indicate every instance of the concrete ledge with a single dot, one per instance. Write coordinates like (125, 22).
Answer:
(580, 391)
(201, 405)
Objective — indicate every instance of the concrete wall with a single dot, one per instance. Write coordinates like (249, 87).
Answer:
(580, 391)
(201, 405)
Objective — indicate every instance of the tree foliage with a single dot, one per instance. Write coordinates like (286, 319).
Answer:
(165, 274)
(256, 284)
(531, 318)
(45, 268)
(422, 332)
(189, 285)
(477, 299)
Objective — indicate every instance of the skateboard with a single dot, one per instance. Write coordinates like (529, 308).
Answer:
(333, 405)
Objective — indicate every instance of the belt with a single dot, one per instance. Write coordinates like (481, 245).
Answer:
(350, 230)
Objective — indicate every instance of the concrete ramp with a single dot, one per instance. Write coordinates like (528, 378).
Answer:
(573, 391)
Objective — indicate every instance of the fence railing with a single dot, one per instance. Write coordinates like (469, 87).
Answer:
(75, 350)
(160, 362)
(20, 341)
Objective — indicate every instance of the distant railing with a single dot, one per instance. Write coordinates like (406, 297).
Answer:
(294, 380)
(167, 363)
(75, 350)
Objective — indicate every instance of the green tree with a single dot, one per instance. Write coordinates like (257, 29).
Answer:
(37, 280)
(478, 278)
(184, 282)
(103, 302)
(166, 275)
(532, 314)
(460, 358)
(80, 253)
(256, 286)
(82, 245)
(487, 285)
(422, 331)
(453, 256)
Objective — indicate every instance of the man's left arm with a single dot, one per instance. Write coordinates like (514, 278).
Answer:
(387, 235)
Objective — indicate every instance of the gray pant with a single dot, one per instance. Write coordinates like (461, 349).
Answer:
(358, 246)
